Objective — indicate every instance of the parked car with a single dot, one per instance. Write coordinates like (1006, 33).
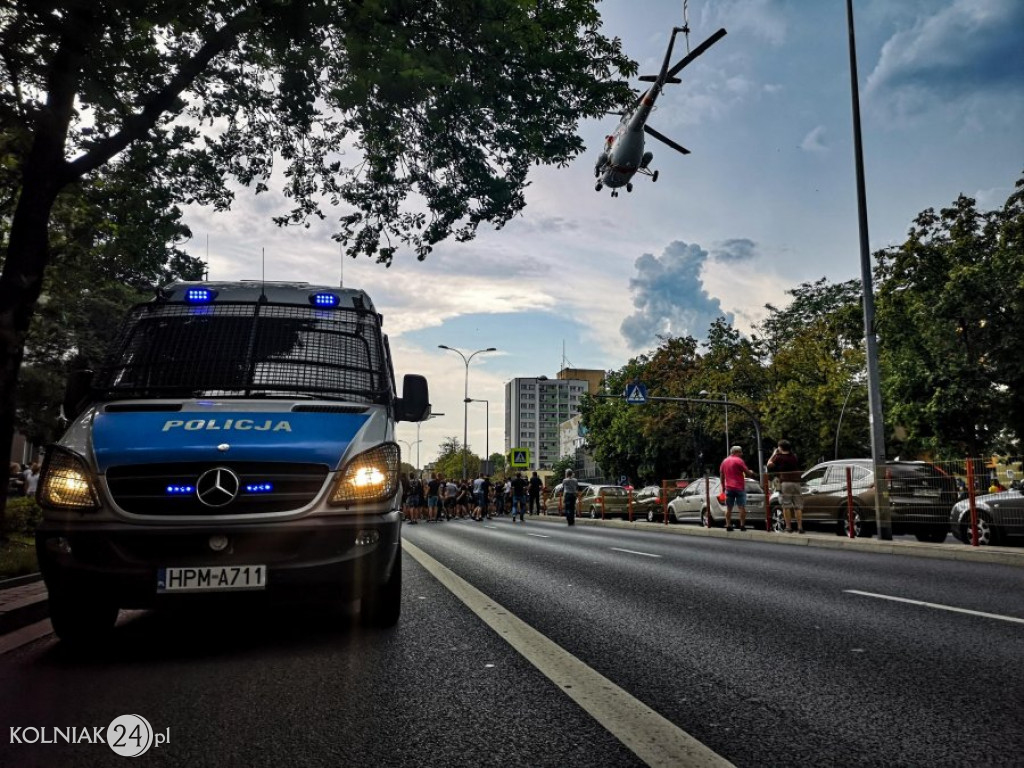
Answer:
(999, 515)
(920, 497)
(690, 505)
(614, 499)
(554, 501)
(648, 503)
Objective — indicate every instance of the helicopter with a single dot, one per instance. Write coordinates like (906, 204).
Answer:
(623, 154)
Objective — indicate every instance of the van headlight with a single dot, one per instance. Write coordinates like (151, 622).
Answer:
(369, 477)
(66, 483)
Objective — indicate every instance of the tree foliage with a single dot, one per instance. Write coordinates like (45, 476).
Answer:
(949, 314)
(417, 120)
(449, 460)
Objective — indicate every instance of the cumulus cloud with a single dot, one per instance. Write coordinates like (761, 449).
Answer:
(669, 296)
(814, 141)
(967, 48)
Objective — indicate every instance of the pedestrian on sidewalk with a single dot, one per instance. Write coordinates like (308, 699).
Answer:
(518, 496)
(734, 473)
(569, 489)
(785, 465)
(534, 494)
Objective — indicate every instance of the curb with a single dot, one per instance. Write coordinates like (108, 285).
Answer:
(18, 581)
(959, 552)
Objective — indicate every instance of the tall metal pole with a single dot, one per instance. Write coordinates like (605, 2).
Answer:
(487, 422)
(883, 518)
(727, 446)
(465, 400)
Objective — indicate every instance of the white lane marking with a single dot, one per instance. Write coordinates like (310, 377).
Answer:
(492, 527)
(538, 535)
(633, 552)
(25, 635)
(1014, 619)
(651, 737)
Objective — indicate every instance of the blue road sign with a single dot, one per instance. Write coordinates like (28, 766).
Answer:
(636, 393)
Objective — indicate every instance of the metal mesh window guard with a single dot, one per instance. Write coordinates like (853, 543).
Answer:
(245, 349)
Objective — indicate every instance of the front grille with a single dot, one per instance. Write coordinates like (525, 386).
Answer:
(143, 489)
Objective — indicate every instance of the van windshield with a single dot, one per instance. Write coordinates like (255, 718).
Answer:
(246, 350)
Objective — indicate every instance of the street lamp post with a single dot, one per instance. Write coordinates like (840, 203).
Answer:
(487, 422)
(410, 444)
(465, 398)
(418, 441)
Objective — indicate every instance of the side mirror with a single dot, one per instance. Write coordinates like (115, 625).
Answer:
(76, 393)
(414, 404)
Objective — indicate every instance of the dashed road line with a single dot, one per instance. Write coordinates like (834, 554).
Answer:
(939, 606)
(634, 552)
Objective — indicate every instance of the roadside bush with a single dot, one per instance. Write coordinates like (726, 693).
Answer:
(22, 517)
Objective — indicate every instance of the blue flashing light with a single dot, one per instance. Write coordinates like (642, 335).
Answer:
(200, 295)
(180, 490)
(325, 300)
(259, 488)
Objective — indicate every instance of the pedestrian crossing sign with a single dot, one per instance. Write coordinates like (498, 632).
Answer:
(636, 393)
(520, 458)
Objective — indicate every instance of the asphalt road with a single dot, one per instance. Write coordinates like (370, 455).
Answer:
(765, 654)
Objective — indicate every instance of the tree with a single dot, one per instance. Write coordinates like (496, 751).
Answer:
(449, 459)
(109, 245)
(948, 316)
(559, 468)
(419, 119)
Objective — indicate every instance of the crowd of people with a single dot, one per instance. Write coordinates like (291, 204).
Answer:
(22, 479)
(438, 498)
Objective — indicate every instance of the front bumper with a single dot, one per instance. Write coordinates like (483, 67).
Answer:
(341, 557)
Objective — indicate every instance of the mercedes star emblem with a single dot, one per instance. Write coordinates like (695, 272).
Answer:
(217, 487)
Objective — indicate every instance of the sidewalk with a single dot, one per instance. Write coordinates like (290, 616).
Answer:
(23, 601)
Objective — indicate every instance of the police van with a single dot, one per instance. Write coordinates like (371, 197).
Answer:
(237, 441)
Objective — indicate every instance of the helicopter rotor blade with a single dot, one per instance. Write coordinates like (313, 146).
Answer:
(666, 140)
(697, 51)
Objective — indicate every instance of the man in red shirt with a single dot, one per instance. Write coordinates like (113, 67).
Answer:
(734, 474)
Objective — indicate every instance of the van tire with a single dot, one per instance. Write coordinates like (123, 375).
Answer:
(382, 606)
(79, 619)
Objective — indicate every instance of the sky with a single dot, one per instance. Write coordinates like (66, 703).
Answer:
(765, 201)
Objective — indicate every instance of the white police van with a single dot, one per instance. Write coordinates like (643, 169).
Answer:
(237, 441)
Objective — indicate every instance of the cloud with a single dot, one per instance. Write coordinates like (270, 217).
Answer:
(669, 296)
(813, 141)
(736, 250)
(756, 17)
(970, 47)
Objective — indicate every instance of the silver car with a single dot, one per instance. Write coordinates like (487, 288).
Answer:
(999, 515)
(690, 505)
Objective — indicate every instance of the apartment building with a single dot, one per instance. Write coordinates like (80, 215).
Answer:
(535, 407)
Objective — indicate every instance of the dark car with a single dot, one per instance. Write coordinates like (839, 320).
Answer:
(648, 503)
(999, 515)
(920, 497)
